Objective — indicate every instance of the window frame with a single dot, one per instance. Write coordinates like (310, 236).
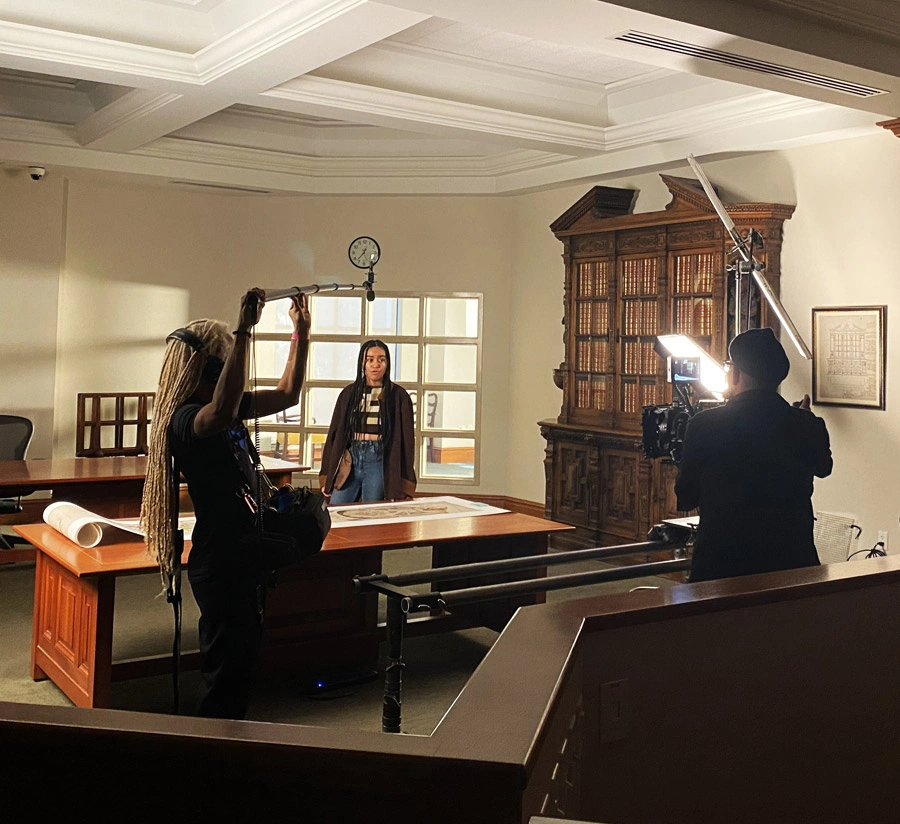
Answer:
(420, 387)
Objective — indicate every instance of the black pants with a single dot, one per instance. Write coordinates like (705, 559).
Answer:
(230, 635)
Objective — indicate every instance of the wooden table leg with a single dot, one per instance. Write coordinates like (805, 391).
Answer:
(38, 618)
(72, 632)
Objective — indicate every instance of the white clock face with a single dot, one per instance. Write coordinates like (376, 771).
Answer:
(364, 252)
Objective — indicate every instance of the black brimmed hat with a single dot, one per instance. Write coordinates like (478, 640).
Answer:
(758, 353)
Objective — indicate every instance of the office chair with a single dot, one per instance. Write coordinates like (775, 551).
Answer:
(15, 436)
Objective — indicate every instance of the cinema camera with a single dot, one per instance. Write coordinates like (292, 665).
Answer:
(697, 382)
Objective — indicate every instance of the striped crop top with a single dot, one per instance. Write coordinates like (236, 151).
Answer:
(370, 405)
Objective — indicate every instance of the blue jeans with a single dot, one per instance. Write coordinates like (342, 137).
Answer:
(366, 476)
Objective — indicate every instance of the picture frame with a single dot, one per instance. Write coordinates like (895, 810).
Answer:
(849, 356)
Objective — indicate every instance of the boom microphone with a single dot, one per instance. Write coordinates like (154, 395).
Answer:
(312, 289)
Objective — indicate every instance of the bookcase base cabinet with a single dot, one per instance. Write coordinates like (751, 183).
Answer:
(601, 483)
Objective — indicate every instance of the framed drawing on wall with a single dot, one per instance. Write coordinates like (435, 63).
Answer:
(849, 356)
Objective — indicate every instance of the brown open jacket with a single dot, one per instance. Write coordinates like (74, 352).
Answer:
(399, 454)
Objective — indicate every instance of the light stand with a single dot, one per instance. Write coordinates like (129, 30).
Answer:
(753, 267)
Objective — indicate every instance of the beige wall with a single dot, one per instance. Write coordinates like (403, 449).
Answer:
(137, 261)
(31, 253)
(140, 261)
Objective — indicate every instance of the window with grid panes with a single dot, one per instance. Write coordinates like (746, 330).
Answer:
(435, 349)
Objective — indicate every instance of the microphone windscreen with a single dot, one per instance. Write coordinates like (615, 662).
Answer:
(370, 294)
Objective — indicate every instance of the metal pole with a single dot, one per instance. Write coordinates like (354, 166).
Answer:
(756, 271)
(291, 291)
(458, 597)
(393, 675)
(511, 564)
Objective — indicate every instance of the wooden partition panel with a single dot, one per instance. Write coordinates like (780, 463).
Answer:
(770, 698)
(781, 711)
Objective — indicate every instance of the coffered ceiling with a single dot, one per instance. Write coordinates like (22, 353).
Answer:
(431, 96)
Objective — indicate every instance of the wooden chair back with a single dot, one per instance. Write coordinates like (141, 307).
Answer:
(113, 423)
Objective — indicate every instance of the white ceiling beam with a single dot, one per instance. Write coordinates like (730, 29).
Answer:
(735, 138)
(282, 45)
(385, 107)
(516, 171)
(70, 54)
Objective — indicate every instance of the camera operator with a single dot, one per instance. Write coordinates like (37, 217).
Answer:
(198, 418)
(749, 467)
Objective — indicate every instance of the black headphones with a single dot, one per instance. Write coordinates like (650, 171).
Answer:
(188, 337)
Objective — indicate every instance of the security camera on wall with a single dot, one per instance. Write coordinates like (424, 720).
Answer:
(36, 172)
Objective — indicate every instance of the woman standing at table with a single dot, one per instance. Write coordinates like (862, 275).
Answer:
(198, 428)
(370, 449)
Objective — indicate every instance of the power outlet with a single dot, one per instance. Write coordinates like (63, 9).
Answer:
(883, 539)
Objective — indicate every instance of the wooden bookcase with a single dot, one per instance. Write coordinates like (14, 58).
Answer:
(628, 278)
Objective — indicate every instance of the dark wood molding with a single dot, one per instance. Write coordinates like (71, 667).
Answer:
(512, 504)
(891, 125)
(599, 202)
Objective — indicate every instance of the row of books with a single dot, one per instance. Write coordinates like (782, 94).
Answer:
(694, 273)
(637, 395)
(639, 358)
(590, 393)
(640, 317)
(591, 355)
(593, 279)
(640, 276)
(592, 318)
(693, 316)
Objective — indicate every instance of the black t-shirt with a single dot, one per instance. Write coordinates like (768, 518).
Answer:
(216, 469)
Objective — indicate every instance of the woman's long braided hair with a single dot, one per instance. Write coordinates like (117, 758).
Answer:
(178, 380)
(355, 415)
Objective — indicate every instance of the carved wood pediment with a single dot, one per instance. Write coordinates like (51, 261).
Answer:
(605, 209)
(687, 195)
(599, 202)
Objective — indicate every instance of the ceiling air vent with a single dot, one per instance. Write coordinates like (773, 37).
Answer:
(244, 190)
(653, 41)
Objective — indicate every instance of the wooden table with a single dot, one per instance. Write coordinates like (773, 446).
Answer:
(313, 618)
(111, 487)
(107, 486)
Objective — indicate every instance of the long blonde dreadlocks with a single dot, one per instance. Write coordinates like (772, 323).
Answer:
(178, 380)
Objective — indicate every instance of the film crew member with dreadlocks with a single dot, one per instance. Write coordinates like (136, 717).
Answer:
(371, 435)
(198, 419)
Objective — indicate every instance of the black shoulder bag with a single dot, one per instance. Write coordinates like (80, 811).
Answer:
(290, 524)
